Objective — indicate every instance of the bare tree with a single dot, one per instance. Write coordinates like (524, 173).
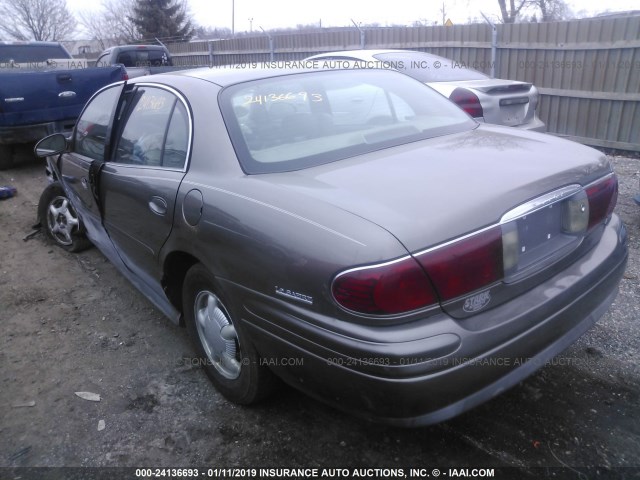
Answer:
(552, 10)
(42, 20)
(111, 25)
(510, 14)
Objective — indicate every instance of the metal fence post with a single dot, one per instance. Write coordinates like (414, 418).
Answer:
(494, 45)
(362, 35)
(271, 47)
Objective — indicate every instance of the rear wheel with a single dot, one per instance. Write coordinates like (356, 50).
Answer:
(225, 351)
(60, 220)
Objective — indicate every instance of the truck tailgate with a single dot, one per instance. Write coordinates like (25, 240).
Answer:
(33, 97)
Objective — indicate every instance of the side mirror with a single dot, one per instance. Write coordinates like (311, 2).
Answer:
(51, 145)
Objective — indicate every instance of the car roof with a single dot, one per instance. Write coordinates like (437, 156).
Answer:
(229, 74)
(365, 54)
(225, 75)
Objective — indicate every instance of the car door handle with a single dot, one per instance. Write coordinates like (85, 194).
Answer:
(158, 205)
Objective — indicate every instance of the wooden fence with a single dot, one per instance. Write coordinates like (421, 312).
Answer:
(587, 71)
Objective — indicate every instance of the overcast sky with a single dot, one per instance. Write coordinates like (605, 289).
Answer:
(338, 13)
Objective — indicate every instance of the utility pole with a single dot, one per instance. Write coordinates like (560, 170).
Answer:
(233, 18)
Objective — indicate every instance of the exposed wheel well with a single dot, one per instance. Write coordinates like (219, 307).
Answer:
(176, 266)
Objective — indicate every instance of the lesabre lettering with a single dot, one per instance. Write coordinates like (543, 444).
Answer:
(295, 295)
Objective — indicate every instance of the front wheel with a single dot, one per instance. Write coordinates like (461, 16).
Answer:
(225, 351)
(60, 220)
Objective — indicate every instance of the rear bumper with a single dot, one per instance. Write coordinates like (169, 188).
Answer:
(535, 125)
(426, 371)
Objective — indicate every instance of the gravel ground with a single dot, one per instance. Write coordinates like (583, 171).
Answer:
(71, 323)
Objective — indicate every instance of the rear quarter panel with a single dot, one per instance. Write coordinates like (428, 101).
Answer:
(257, 234)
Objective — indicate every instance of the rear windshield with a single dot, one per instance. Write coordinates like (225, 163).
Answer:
(31, 53)
(143, 58)
(307, 119)
(430, 68)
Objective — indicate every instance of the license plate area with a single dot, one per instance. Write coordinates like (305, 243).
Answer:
(541, 240)
(512, 114)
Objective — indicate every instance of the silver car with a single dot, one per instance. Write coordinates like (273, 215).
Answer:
(491, 100)
(353, 233)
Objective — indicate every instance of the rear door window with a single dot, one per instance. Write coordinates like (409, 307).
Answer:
(155, 130)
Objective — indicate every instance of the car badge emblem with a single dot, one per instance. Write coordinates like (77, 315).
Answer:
(301, 297)
(477, 302)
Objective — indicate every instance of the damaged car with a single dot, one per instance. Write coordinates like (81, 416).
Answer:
(352, 233)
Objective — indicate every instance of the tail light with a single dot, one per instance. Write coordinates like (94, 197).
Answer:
(465, 265)
(456, 268)
(603, 196)
(385, 289)
(468, 101)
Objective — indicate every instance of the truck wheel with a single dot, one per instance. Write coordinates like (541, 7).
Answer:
(60, 220)
(223, 348)
(6, 157)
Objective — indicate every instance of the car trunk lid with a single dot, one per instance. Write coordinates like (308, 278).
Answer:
(432, 191)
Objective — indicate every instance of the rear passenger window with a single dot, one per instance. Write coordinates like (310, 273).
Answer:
(155, 132)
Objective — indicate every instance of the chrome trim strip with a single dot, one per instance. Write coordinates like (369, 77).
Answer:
(601, 179)
(370, 267)
(540, 202)
(456, 240)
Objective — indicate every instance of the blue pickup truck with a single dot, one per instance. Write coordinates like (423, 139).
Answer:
(42, 91)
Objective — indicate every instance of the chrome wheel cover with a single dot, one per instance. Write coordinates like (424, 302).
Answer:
(217, 335)
(62, 220)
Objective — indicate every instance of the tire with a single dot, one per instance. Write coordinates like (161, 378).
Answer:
(6, 157)
(60, 220)
(223, 348)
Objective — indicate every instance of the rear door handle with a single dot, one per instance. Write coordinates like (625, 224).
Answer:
(158, 205)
